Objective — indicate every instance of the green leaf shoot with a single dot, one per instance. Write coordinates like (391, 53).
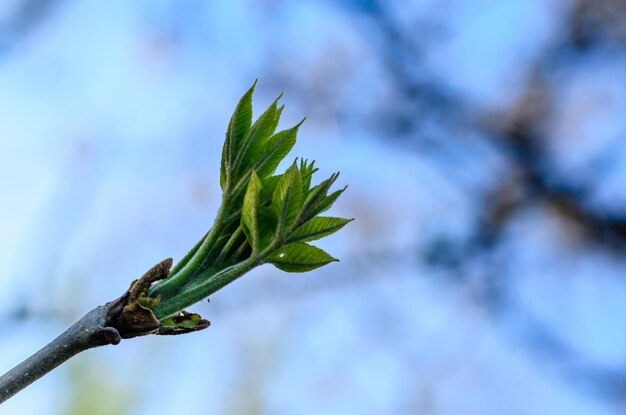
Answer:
(264, 217)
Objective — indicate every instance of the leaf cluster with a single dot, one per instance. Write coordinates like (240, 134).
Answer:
(264, 217)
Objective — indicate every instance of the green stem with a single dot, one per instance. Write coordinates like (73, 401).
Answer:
(238, 255)
(199, 292)
(180, 264)
(179, 279)
(229, 244)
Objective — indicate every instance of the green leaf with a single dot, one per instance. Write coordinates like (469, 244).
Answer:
(250, 147)
(315, 196)
(307, 170)
(237, 128)
(249, 213)
(275, 150)
(268, 187)
(300, 257)
(317, 228)
(287, 199)
(279, 112)
(267, 227)
(224, 164)
(328, 201)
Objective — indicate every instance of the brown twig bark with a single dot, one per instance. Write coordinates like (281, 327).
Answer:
(88, 332)
(127, 317)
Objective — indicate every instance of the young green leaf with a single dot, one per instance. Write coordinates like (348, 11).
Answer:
(242, 117)
(328, 201)
(247, 150)
(224, 163)
(300, 257)
(268, 186)
(275, 150)
(317, 228)
(249, 213)
(267, 226)
(316, 196)
(287, 199)
(264, 218)
(277, 118)
(237, 128)
(307, 170)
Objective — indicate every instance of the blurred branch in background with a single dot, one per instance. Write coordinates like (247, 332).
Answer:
(21, 19)
(521, 134)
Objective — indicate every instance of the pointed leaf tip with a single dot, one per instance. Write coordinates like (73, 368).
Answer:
(238, 126)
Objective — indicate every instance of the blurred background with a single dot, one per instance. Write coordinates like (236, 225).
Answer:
(484, 143)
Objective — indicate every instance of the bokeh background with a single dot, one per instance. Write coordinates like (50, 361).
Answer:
(484, 143)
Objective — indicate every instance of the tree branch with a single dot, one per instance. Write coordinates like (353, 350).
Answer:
(88, 332)
(123, 318)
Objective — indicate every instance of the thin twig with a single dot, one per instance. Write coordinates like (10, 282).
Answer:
(88, 332)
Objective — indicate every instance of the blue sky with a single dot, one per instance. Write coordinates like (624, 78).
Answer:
(106, 106)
